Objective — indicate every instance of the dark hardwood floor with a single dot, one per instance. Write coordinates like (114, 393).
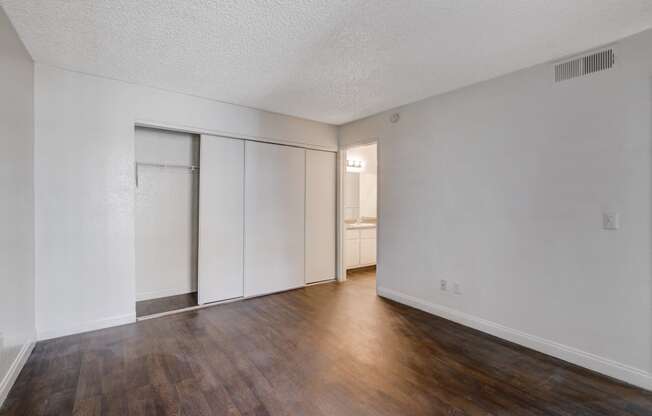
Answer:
(331, 349)
(166, 304)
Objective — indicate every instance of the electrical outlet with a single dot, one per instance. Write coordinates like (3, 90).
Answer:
(610, 221)
(443, 285)
(457, 288)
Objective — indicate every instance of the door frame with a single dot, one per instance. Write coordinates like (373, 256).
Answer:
(341, 170)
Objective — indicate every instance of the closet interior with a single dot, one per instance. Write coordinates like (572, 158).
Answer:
(167, 220)
(222, 218)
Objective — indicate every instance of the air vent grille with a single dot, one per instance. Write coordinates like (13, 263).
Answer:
(585, 65)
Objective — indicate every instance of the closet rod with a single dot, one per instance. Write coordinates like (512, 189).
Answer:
(192, 168)
(161, 165)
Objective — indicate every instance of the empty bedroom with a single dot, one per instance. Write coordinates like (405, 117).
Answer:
(317, 207)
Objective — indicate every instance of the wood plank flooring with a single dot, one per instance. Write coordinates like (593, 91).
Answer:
(331, 349)
(166, 304)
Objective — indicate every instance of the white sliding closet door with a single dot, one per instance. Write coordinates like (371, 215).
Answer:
(274, 218)
(221, 218)
(320, 216)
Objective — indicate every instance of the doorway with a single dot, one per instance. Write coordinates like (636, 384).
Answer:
(359, 213)
(167, 196)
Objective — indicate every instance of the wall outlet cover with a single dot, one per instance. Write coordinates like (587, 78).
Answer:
(443, 285)
(610, 221)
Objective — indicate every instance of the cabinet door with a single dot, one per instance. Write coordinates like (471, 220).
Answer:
(367, 251)
(351, 253)
(221, 219)
(320, 216)
(274, 218)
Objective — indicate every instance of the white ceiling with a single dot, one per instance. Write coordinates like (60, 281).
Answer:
(327, 60)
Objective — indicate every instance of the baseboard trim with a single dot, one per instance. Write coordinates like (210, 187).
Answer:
(87, 326)
(321, 282)
(14, 370)
(573, 355)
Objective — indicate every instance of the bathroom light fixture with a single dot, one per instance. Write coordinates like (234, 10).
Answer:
(354, 165)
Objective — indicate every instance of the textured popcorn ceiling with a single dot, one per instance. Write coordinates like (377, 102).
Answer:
(327, 60)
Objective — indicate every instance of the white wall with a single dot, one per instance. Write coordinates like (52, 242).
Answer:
(16, 205)
(368, 195)
(166, 147)
(501, 187)
(84, 184)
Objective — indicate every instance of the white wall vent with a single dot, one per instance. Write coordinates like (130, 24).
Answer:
(584, 65)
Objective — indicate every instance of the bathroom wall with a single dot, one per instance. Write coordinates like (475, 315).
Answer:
(364, 181)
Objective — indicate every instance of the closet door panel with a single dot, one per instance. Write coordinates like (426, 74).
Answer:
(320, 216)
(221, 219)
(274, 218)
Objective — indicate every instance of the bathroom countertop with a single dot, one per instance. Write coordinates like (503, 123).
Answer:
(360, 225)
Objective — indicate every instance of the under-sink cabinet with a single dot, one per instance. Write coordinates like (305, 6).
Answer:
(359, 247)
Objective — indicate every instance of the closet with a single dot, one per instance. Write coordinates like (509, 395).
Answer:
(274, 218)
(232, 218)
(166, 227)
